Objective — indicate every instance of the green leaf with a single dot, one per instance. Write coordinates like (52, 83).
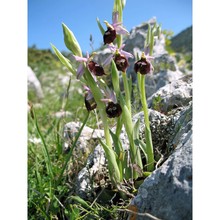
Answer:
(63, 59)
(140, 144)
(81, 202)
(70, 41)
(102, 30)
(136, 129)
(111, 156)
(117, 143)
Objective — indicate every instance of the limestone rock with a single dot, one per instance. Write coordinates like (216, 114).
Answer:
(167, 193)
(177, 93)
(86, 140)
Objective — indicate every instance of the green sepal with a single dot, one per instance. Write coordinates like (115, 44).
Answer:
(71, 42)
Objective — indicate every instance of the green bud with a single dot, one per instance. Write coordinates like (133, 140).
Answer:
(123, 3)
(71, 42)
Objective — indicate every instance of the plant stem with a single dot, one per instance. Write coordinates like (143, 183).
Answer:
(127, 91)
(149, 144)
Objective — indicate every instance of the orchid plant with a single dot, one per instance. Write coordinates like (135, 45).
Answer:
(123, 163)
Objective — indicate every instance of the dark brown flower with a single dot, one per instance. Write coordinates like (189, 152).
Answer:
(95, 68)
(89, 100)
(113, 110)
(121, 62)
(144, 66)
(109, 35)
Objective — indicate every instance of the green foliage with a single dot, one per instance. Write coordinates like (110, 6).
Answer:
(157, 104)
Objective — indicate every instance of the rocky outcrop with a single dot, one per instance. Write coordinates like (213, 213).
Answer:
(167, 193)
(177, 93)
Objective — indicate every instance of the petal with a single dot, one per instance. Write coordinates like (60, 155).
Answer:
(122, 46)
(115, 17)
(120, 30)
(86, 88)
(150, 58)
(79, 59)
(126, 54)
(112, 47)
(106, 100)
(87, 55)
(80, 71)
(89, 96)
(115, 25)
(113, 97)
(107, 61)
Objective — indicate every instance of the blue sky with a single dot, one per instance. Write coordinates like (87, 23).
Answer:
(45, 18)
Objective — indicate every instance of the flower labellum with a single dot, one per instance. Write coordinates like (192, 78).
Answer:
(121, 62)
(90, 104)
(89, 99)
(95, 68)
(109, 35)
(143, 66)
(113, 110)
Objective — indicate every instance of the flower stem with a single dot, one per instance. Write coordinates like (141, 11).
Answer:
(149, 144)
(127, 91)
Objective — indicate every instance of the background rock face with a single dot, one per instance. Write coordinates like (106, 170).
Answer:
(167, 193)
(177, 93)
(34, 84)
